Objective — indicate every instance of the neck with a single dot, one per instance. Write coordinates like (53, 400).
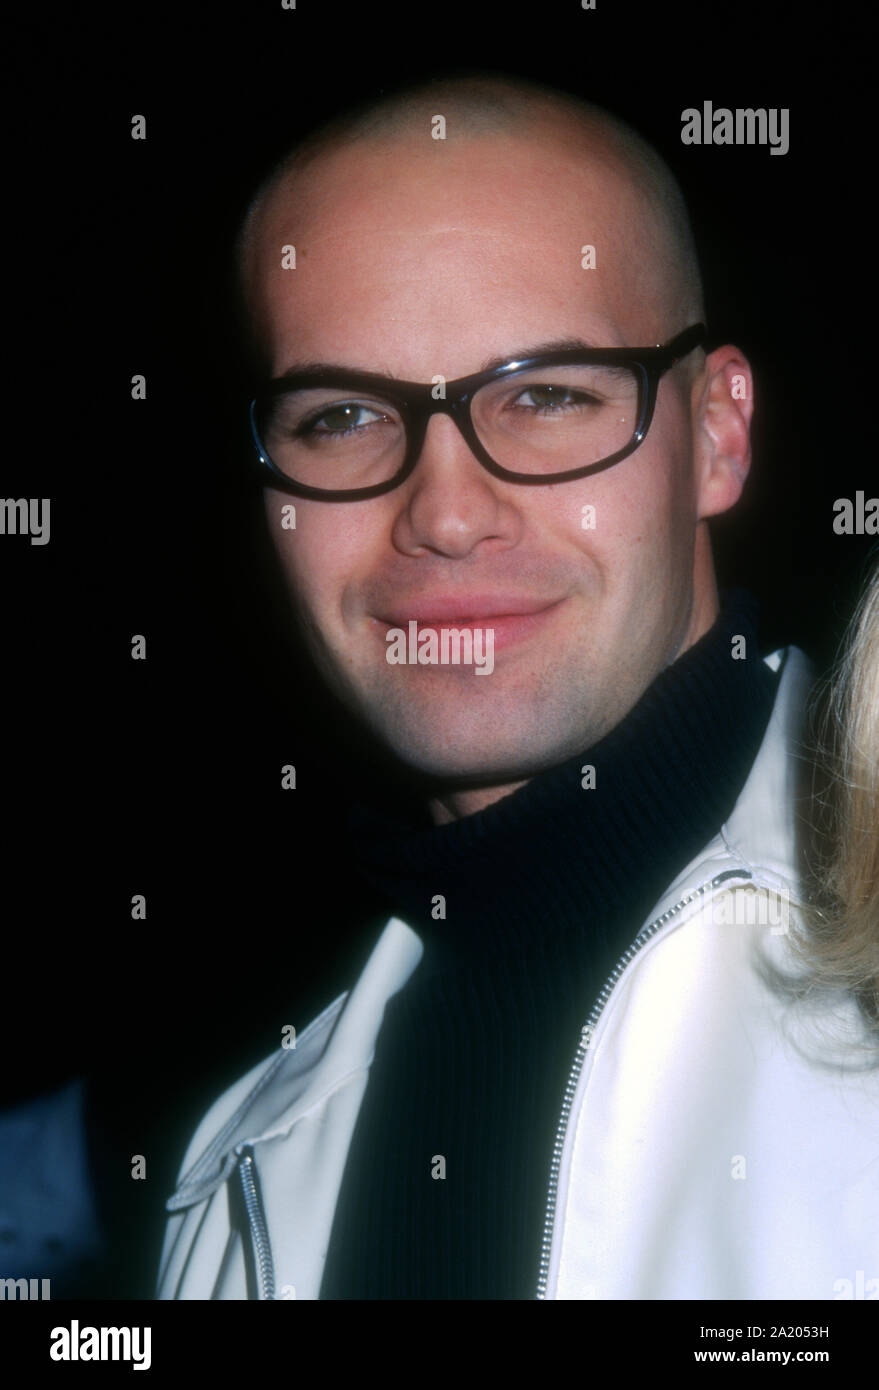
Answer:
(453, 805)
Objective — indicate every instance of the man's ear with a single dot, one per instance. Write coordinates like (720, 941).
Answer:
(722, 403)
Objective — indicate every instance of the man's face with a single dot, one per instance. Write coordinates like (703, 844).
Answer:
(425, 258)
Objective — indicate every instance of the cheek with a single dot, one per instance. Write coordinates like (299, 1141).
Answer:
(327, 550)
(611, 514)
(650, 501)
(634, 524)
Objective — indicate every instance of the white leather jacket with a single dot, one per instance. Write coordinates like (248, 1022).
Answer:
(716, 1140)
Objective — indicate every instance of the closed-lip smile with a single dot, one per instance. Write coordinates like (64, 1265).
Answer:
(511, 617)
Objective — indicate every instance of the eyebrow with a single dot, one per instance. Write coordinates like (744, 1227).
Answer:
(520, 355)
(539, 350)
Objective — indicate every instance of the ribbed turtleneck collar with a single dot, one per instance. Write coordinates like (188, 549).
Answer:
(552, 851)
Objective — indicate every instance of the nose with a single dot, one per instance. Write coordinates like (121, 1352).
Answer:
(450, 505)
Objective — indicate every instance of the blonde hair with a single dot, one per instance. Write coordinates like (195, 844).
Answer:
(838, 939)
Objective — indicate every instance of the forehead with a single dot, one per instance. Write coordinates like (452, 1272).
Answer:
(433, 255)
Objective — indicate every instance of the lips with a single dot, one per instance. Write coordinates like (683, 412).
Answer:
(510, 618)
(465, 610)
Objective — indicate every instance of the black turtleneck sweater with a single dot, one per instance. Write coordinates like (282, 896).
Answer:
(543, 892)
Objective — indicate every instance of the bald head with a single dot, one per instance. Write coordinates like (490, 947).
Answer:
(488, 113)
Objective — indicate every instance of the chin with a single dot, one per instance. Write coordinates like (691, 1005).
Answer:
(490, 757)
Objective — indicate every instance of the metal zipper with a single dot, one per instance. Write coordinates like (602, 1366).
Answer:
(259, 1234)
(583, 1047)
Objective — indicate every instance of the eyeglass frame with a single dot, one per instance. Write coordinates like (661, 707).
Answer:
(416, 404)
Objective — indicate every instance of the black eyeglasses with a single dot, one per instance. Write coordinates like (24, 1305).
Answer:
(342, 435)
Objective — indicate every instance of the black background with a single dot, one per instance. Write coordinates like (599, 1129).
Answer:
(163, 777)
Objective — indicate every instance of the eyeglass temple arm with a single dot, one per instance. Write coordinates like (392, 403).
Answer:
(689, 339)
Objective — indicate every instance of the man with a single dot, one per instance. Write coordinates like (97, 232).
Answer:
(564, 1071)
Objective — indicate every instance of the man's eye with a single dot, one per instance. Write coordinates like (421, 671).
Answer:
(341, 419)
(551, 398)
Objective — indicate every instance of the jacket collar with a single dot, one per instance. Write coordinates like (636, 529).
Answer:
(759, 838)
(761, 831)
